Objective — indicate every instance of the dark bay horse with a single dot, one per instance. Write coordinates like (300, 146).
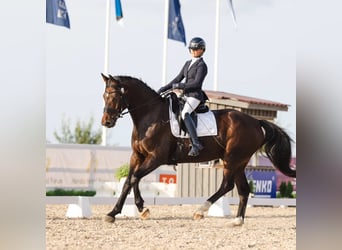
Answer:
(239, 137)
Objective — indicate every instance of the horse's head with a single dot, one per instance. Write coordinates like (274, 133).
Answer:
(113, 100)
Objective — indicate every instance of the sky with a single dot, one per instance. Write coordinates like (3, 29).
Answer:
(256, 59)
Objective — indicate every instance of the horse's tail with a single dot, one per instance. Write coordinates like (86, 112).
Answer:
(277, 145)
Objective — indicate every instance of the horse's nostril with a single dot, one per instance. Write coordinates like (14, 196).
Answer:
(109, 123)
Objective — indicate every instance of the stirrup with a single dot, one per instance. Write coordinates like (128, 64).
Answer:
(195, 150)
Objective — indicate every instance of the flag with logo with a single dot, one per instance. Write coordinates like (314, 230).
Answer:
(175, 28)
(56, 13)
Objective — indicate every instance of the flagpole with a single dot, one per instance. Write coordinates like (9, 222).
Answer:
(106, 61)
(217, 31)
(166, 23)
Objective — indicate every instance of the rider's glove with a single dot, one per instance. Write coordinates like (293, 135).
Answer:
(161, 90)
(178, 85)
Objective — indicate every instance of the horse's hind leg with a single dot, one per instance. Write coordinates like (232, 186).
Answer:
(243, 190)
(226, 185)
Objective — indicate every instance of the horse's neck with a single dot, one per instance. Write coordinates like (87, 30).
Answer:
(142, 102)
(137, 98)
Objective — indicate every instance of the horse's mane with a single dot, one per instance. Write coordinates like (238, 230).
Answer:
(137, 82)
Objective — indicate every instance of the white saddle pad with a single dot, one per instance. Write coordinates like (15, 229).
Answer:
(206, 124)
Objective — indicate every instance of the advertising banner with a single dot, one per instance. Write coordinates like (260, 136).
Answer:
(265, 183)
(78, 167)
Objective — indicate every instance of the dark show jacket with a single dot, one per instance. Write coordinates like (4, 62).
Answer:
(194, 77)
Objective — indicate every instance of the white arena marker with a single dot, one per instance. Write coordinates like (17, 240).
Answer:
(128, 211)
(80, 210)
(220, 208)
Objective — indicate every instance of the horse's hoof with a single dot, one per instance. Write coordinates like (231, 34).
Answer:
(198, 216)
(238, 221)
(109, 219)
(145, 214)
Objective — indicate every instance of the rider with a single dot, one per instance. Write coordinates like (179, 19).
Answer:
(194, 71)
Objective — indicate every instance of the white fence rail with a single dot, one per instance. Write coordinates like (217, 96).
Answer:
(170, 201)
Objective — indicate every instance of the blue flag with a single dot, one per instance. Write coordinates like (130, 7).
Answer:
(56, 13)
(176, 28)
(118, 10)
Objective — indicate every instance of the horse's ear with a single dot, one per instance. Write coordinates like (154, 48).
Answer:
(105, 78)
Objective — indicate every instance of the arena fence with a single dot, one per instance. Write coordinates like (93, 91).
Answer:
(93, 167)
(170, 201)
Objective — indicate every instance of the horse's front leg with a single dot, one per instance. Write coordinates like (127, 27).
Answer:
(146, 167)
(119, 204)
(139, 201)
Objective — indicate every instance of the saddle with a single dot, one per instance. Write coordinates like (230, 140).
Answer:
(177, 104)
(203, 117)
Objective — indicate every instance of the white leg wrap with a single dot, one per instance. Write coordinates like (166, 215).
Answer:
(238, 221)
(200, 211)
(205, 207)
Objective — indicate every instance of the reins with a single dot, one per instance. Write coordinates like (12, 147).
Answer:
(121, 113)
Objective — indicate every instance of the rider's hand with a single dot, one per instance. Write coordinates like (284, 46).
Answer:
(161, 90)
(178, 85)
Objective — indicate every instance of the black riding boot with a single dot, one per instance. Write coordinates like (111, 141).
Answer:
(196, 145)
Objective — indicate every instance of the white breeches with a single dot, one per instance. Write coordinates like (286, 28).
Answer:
(190, 105)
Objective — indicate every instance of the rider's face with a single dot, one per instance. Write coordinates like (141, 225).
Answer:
(196, 52)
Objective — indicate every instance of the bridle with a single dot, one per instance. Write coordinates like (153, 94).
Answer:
(116, 112)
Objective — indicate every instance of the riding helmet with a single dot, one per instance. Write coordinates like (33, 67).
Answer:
(197, 43)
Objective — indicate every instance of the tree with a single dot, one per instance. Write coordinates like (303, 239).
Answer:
(83, 133)
(283, 189)
(251, 186)
(286, 190)
(289, 190)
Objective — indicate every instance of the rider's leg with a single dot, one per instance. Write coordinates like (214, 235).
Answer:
(190, 105)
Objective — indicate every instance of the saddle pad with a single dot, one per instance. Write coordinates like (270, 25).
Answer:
(206, 125)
